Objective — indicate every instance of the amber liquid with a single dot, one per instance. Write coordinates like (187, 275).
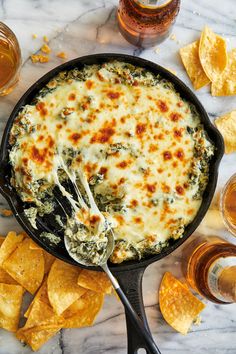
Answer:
(199, 256)
(227, 283)
(229, 204)
(10, 60)
(146, 26)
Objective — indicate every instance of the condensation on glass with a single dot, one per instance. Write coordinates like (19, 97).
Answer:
(145, 23)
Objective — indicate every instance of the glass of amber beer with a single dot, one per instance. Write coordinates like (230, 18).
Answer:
(145, 23)
(10, 60)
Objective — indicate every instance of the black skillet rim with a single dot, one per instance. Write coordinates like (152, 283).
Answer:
(10, 195)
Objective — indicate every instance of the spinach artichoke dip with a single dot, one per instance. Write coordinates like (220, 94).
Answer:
(123, 148)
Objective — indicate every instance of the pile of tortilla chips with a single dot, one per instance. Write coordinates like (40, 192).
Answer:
(207, 60)
(65, 296)
(179, 307)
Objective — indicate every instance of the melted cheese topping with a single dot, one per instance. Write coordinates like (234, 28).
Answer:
(133, 136)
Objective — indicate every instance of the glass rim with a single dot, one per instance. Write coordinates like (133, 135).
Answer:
(230, 227)
(2, 24)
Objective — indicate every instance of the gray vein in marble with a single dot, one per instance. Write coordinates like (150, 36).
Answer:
(138, 51)
(211, 15)
(199, 30)
(38, 4)
(2, 6)
(61, 343)
(189, 21)
(75, 20)
(213, 115)
(65, 28)
(4, 205)
(103, 24)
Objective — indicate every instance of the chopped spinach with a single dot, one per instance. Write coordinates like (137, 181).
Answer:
(96, 179)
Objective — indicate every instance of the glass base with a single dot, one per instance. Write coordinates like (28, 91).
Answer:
(6, 91)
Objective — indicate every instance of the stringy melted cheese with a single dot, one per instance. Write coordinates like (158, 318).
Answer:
(134, 136)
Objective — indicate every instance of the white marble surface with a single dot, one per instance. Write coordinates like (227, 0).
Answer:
(81, 27)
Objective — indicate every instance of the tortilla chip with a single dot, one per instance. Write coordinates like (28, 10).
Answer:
(227, 126)
(193, 66)
(83, 311)
(42, 295)
(178, 305)
(212, 53)
(185, 285)
(41, 324)
(96, 281)
(9, 245)
(27, 312)
(48, 261)
(6, 278)
(10, 305)
(36, 336)
(63, 289)
(34, 246)
(48, 258)
(26, 266)
(42, 314)
(225, 84)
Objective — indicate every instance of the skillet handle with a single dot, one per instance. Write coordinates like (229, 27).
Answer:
(131, 284)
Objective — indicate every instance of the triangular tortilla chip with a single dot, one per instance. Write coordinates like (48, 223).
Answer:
(26, 266)
(41, 324)
(178, 305)
(63, 289)
(42, 314)
(10, 243)
(36, 337)
(212, 53)
(193, 66)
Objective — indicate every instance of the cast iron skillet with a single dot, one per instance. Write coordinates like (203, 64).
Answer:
(129, 274)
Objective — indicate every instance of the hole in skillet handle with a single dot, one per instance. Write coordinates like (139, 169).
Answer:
(141, 351)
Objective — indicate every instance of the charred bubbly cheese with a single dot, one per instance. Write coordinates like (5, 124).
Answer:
(140, 146)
